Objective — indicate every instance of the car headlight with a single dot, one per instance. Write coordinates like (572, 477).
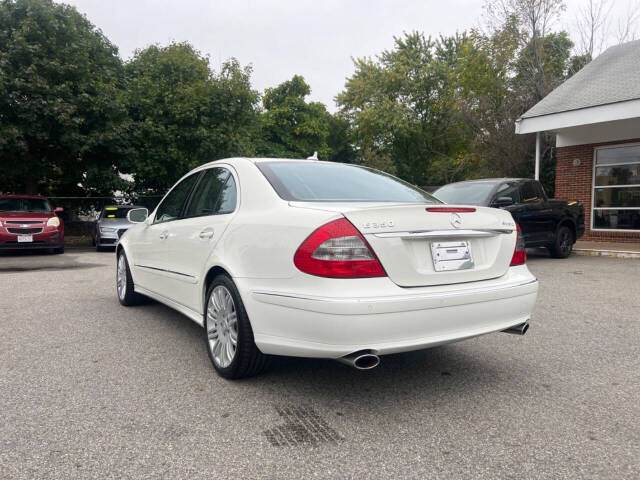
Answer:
(107, 229)
(53, 222)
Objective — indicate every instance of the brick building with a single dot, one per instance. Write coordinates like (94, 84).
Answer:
(595, 116)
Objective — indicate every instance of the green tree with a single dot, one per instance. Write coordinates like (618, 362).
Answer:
(291, 127)
(402, 108)
(183, 115)
(60, 108)
(339, 140)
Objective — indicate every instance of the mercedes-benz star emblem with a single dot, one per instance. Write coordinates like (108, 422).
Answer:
(456, 220)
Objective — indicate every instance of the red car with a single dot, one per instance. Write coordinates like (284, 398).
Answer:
(29, 222)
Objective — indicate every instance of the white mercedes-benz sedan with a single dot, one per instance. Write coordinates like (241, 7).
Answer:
(320, 259)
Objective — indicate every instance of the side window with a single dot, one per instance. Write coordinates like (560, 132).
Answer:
(206, 195)
(528, 192)
(510, 190)
(171, 206)
(228, 198)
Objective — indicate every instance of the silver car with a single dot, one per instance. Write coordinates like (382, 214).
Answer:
(111, 225)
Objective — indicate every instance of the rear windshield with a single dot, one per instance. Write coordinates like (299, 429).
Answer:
(476, 193)
(310, 181)
(24, 205)
(115, 212)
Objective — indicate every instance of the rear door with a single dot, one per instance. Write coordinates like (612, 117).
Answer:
(420, 245)
(193, 237)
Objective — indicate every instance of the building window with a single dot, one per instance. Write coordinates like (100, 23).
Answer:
(616, 188)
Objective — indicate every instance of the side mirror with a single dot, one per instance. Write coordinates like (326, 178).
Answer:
(502, 202)
(58, 210)
(137, 215)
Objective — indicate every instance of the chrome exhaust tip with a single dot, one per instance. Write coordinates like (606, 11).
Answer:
(364, 360)
(519, 329)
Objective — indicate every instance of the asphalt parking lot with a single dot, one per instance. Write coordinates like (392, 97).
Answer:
(90, 389)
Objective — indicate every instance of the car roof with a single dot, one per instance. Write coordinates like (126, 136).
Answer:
(489, 180)
(265, 159)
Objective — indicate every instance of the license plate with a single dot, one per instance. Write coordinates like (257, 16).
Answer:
(25, 238)
(448, 256)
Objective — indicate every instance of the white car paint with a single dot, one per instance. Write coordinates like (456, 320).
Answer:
(295, 313)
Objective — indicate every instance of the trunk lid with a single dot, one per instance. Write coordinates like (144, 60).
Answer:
(469, 246)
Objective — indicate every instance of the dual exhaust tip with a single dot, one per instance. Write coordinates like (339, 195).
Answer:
(519, 329)
(366, 360)
(362, 360)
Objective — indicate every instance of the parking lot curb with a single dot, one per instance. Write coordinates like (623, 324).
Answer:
(606, 253)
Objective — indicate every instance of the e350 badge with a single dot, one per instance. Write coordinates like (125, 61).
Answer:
(385, 224)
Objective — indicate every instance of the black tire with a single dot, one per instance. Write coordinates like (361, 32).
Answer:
(563, 244)
(247, 359)
(58, 251)
(127, 296)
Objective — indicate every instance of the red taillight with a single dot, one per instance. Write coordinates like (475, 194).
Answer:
(338, 250)
(451, 209)
(519, 253)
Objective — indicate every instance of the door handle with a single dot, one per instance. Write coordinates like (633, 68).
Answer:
(206, 233)
(164, 235)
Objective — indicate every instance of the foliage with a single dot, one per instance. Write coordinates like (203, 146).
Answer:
(436, 111)
(291, 127)
(182, 115)
(403, 112)
(60, 109)
(74, 118)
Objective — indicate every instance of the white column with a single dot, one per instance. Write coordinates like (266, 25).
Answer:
(537, 174)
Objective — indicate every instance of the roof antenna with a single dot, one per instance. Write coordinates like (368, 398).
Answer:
(313, 157)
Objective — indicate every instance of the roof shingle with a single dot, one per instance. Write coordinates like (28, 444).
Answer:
(612, 77)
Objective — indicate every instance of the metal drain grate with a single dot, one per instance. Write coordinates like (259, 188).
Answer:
(302, 426)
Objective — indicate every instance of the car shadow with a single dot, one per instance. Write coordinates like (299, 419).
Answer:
(538, 254)
(458, 369)
(27, 253)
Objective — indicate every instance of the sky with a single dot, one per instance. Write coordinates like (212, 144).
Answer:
(313, 38)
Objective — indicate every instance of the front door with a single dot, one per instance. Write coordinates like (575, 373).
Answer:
(149, 245)
(192, 239)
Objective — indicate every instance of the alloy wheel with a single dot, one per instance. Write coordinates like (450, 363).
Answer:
(222, 326)
(121, 277)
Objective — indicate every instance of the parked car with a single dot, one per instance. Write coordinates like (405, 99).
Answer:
(110, 225)
(27, 222)
(320, 259)
(554, 224)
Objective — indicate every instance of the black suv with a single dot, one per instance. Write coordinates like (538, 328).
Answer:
(554, 224)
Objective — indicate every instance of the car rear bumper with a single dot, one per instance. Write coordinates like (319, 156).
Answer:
(405, 319)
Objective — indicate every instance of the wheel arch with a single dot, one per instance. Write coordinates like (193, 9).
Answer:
(212, 273)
